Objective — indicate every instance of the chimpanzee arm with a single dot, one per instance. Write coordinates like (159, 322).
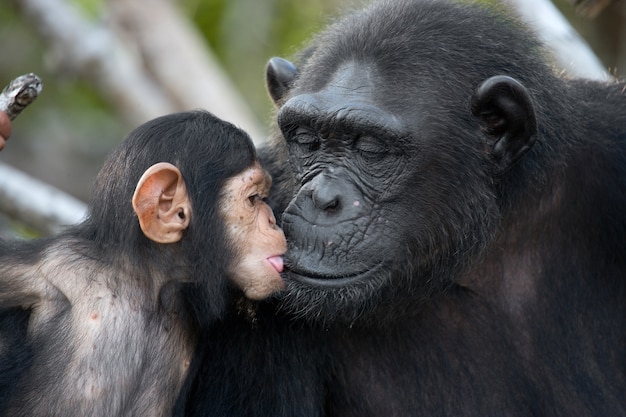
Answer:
(22, 284)
(20, 290)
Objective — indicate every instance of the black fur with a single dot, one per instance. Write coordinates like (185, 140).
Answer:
(491, 250)
(121, 352)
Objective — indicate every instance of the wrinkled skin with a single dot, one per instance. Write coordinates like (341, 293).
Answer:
(370, 175)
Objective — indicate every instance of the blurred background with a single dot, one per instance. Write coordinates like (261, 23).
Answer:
(63, 137)
(110, 65)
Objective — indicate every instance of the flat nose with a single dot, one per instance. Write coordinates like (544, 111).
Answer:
(327, 200)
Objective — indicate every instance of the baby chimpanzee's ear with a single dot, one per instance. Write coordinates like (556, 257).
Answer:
(162, 204)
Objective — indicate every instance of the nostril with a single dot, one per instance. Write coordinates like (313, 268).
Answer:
(331, 206)
(325, 199)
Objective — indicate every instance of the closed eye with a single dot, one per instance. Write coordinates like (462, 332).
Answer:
(255, 198)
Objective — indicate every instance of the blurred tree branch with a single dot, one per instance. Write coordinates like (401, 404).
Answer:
(571, 52)
(180, 61)
(41, 207)
(145, 58)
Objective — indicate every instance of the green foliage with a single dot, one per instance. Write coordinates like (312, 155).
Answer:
(91, 8)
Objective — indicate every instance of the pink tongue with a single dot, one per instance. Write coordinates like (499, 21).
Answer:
(277, 262)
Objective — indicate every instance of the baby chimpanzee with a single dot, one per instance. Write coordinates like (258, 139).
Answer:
(103, 319)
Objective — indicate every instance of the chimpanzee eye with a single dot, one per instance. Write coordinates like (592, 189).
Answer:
(306, 139)
(371, 147)
(256, 198)
(253, 199)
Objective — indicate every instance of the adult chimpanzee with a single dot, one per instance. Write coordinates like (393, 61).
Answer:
(456, 229)
(114, 305)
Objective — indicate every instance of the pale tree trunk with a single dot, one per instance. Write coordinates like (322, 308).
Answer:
(180, 62)
(571, 52)
(145, 58)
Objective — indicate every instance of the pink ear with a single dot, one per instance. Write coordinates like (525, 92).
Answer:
(162, 204)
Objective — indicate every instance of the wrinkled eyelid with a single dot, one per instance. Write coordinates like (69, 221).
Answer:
(264, 185)
(252, 199)
(262, 194)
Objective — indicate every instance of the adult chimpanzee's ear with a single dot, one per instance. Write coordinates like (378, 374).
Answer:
(279, 76)
(162, 204)
(504, 106)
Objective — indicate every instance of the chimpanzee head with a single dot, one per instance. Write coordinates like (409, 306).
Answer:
(183, 195)
(401, 122)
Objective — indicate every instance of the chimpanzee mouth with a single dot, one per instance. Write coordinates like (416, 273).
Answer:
(327, 280)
